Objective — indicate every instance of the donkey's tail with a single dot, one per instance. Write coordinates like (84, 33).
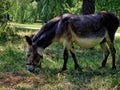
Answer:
(111, 22)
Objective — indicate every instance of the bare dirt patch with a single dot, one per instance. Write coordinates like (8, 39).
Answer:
(15, 80)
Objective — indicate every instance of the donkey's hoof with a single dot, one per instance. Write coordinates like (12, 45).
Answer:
(79, 69)
(114, 67)
(101, 67)
(62, 71)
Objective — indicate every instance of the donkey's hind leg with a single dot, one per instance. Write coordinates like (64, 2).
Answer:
(74, 58)
(112, 50)
(105, 52)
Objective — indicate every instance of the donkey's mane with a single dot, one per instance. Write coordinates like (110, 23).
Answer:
(46, 28)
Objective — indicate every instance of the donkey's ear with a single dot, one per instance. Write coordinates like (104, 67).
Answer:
(28, 40)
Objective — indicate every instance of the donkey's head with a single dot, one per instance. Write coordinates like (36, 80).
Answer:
(34, 55)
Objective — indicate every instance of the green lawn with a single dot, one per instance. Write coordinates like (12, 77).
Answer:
(118, 30)
(28, 26)
(13, 73)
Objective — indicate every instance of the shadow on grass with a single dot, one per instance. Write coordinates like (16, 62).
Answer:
(76, 80)
(12, 59)
(90, 77)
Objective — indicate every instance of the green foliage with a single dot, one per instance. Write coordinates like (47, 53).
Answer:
(3, 11)
(23, 11)
(3, 24)
(7, 34)
(76, 9)
(28, 11)
(109, 5)
(31, 10)
(48, 9)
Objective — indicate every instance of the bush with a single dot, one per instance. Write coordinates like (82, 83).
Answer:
(7, 33)
(109, 5)
(28, 11)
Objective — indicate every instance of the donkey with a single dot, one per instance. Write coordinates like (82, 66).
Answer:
(86, 31)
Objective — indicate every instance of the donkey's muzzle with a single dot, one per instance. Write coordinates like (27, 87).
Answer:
(30, 68)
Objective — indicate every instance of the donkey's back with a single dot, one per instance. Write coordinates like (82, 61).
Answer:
(88, 29)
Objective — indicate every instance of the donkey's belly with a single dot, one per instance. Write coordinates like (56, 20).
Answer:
(88, 42)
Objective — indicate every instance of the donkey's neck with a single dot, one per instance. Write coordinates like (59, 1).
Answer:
(46, 38)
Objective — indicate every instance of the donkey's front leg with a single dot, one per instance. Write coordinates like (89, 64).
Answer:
(65, 59)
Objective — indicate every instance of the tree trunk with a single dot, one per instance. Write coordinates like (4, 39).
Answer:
(88, 7)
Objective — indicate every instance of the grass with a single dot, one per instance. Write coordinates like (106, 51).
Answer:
(13, 73)
(28, 26)
(118, 30)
